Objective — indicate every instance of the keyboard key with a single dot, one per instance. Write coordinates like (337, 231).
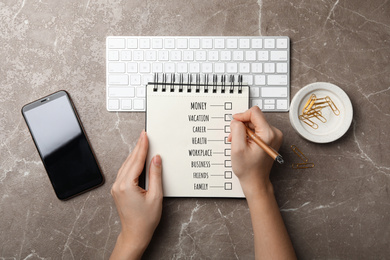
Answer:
(281, 104)
(219, 43)
(116, 43)
(146, 78)
(194, 43)
(231, 68)
(244, 68)
(132, 67)
(157, 43)
(132, 43)
(200, 55)
(269, 101)
(257, 68)
(262, 55)
(144, 67)
(194, 67)
(273, 92)
(182, 67)
(244, 44)
(207, 68)
(219, 67)
(141, 92)
(247, 79)
(125, 55)
(269, 43)
(254, 92)
(113, 104)
(279, 55)
(281, 43)
(226, 56)
(151, 55)
(250, 55)
(135, 79)
(139, 104)
(281, 67)
(238, 55)
(269, 67)
(269, 107)
(188, 55)
(213, 55)
(257, 102)
(182, 43)
(121, 92)
(260, 80)
(118, 80)
(138, 55)
(257, 43)
(277, 80)
(169, 43)
(117, 67)
(163, 55)
(169, 67)
(144, 43)
(176, 55)
(113, 55)
(126, 104)
(207, 43)
(231, 43)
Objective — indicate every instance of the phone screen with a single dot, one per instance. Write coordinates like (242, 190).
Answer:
(62, 145)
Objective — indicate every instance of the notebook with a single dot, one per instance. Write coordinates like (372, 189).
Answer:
(188, 123)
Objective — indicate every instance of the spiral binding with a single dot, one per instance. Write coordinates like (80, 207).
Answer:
(161, 80)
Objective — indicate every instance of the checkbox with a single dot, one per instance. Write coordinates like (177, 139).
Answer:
(228, 163)
(226, 140)
(228, 105)
(228, 174)
(227, 117)
(228, 152)
(227, 128)
(228, 186)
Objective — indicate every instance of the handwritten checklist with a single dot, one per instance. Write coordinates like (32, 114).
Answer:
(190, 131)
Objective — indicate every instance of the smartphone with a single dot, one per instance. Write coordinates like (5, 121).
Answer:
(62, 145)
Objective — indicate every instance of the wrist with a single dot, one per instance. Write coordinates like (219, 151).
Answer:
(128, 247)
(260, 189)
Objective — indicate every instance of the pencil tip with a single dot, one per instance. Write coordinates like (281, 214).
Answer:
(279, 159)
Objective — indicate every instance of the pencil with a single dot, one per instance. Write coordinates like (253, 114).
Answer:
(269, 150)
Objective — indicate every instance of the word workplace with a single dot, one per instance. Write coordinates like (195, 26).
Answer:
(203, 160)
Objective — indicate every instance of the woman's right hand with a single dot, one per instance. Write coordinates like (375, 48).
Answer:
(250, 163)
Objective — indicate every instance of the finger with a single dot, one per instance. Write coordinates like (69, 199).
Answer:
(155, 179)
(133, 168)
(128, 159)
(229, 138)
(253, 115)
(238, 136)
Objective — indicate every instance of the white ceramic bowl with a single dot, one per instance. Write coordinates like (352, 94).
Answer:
(335, 126)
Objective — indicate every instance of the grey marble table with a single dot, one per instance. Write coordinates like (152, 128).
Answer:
(338, 210)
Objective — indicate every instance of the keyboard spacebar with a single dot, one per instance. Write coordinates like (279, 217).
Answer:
(273, 92)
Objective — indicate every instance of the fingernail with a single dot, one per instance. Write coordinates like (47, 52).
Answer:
(157, 160)
(142, 134)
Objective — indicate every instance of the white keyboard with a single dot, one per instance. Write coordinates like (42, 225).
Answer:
(263, 61)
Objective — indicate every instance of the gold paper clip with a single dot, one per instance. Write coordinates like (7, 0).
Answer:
(307, 121)
(302, 165)
(299, 153)
(318, 115)
(310, 102)
(335, 110)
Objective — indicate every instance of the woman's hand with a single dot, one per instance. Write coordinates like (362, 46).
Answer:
(139, 210)
(250, 163)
